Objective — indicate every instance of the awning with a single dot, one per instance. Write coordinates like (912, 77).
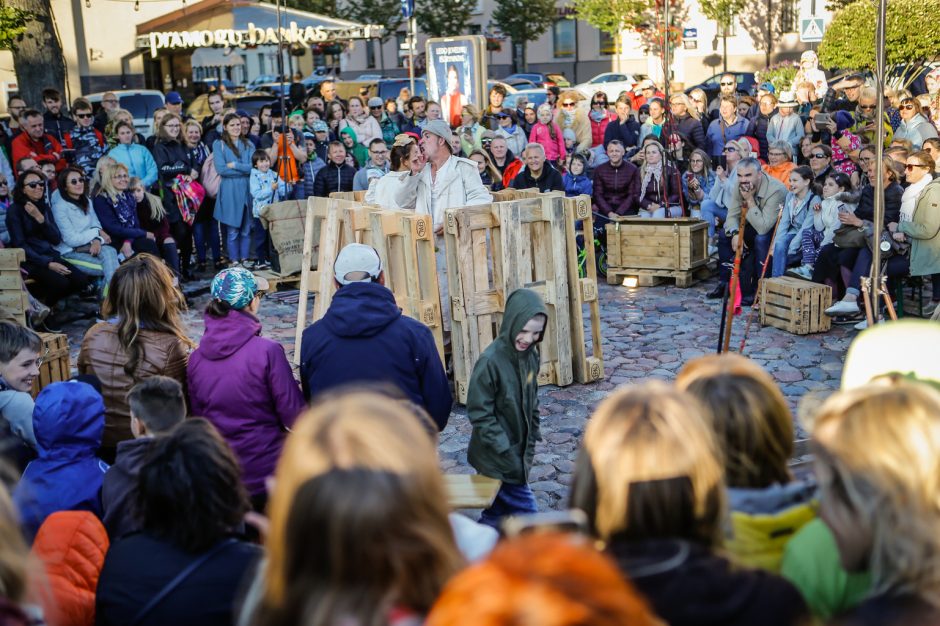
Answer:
(216, 57)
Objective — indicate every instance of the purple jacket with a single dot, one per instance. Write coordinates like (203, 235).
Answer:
(242, 383)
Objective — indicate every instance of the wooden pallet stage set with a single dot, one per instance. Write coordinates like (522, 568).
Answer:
(12, 296)
(485, 261)
(653, 250)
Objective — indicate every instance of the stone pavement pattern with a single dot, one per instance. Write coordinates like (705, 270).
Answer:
(648, 333)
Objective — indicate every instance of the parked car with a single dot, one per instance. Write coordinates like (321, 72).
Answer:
(140, 102)
(540, 80)
(391, 87)
(509, 88)
(211, 84)
(273, 88)
(249, 102)
(535, 96)
(611, 83)
(747, 84)
(260, 80)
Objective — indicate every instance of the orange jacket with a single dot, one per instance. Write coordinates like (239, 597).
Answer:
(71, 545)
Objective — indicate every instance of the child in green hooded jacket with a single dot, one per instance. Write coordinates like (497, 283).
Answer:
(503, 406)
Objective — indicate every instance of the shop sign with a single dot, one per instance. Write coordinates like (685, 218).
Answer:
(253, 36)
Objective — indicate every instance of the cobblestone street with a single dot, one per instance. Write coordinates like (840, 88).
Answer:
(648, 333)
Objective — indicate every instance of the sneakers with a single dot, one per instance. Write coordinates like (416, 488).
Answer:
(844, 307)
(804, 271)
(712, 249)
(929, 309)
(861, 325)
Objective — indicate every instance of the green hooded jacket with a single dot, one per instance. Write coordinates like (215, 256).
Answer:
(360, 153)
(502, 397)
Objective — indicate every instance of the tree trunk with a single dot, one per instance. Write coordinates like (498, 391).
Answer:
(381, 48)
(770, 31)
(724, 51)
(37, 58)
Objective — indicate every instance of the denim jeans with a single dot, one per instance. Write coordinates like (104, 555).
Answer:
(104, 265)
(238, 240)
(781, 245)
(751, 266)
(662, 212)
(711, 210)
(510, 500)
(259, 240)
(206, 235)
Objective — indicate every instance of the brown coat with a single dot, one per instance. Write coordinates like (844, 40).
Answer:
(102, 355)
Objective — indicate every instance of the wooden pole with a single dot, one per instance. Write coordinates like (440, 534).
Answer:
(735, 277)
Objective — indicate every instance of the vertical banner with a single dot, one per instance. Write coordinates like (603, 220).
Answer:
(456, 74)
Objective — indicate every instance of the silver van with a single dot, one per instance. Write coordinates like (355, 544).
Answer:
(140, 102)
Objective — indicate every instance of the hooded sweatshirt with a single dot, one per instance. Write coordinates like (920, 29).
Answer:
(365, 338)
(253, 415)
(360, 152)
(502, 397)
(69, 423)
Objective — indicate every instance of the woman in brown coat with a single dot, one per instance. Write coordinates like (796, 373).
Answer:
(142, 336)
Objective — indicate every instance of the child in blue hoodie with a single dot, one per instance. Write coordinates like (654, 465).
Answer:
(68, 422)
(576, 181)
(266, 188)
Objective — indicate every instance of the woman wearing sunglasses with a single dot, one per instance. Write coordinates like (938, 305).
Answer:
(33, 228)
(599, 116)
(914, 126)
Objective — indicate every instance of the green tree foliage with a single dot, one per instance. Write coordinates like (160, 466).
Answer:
(13, 22)
(443, 18)
(912, 35)
(613, 16)
(722, 12)
(524, 21)
(385, 13)
(320, 7)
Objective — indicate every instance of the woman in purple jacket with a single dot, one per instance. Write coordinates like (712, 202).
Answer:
(242, 382)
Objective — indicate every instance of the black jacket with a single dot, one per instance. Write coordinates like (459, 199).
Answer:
(628, 133)
(757, 128)
(58, 125)
(866, 203)
(692, 131)
(173, 159)
(119, 488)
(138, 567)
(333, 178)
(890, 610)
(550, 180)
(365, 338)
(688, 585)
(37, 240)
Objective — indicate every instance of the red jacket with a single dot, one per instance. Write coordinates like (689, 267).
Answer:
(46, 150)
(598, 128)
(71, 546)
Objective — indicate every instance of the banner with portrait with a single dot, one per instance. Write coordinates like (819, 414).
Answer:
(456, 74)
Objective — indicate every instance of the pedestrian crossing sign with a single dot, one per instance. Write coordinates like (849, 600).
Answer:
(811, 30)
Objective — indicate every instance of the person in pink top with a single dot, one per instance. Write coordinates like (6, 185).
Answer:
(548, 134)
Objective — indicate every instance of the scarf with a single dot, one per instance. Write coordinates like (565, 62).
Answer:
(567, 118)
(654, 173)
(598, 116)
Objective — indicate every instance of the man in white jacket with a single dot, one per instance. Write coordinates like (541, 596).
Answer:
(446, 182)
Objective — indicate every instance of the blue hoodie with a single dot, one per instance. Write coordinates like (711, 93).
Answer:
(69, 422)
(365, 338)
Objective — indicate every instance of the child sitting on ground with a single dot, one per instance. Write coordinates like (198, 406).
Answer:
(266, 188)
(157, 405)
(837, 198)
(503, 406)
(19, 367)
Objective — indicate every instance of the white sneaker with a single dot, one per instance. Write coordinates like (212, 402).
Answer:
(843, 307)
(861, 325)
(712, 250)
(804, 272)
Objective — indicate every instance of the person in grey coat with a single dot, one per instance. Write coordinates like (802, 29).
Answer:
(914, 126)
(232, 155)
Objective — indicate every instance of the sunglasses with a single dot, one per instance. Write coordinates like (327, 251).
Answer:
(727, 84)
(818, 155)
(83, 116)
(910, 166)
(568, 105)
(35, 184)
(76, 181)
(730, 149)
(3, 183)
(867, 107)
(378, 108)
(599, 103)
(906, 107)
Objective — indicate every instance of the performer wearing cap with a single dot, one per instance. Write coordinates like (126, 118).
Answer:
(364, 338)
(241, 381)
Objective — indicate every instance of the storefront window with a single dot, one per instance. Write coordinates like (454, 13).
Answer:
(400, 40)
(370, 53)
(608, 44)
(563, 36)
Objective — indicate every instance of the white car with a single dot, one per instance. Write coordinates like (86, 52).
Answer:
(140, 102)
(611, 83)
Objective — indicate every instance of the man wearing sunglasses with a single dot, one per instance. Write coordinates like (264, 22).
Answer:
(728, 88)
(865, 112)
(84, 142)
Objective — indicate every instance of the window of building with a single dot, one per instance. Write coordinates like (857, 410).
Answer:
(608, 44)
(789, 16)
(400, 40)
(261, 66)
(563, 38)
(371, 47)
(474, 29)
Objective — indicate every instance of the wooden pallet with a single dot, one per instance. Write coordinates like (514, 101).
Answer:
(275, 280)
(582, 292)
(795, 305)
(354, 196)
(13, 298)
(651, 278)
(56, 363)
(492, 250)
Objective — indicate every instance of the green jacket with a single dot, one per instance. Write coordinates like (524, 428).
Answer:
(502, 397)
(923, 229)
(360, 153)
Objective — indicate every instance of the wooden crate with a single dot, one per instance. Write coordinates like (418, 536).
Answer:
(582, 292)
(795, 305)
(13, 297)
(354, 196)
(656, 248)
(492, 250)
(56, 364)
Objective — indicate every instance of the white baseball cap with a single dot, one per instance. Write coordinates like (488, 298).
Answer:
(357, 263)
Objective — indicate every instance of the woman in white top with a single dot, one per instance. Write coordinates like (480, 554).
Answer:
(406, 158)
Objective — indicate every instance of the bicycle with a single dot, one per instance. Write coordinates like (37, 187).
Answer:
(600, 247)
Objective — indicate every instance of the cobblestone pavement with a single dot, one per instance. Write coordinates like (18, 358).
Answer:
(648, 333)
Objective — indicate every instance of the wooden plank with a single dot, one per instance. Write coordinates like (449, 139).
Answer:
(56, 364)
(11, 258)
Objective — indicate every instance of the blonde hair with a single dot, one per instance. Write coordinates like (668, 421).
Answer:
(157, 211)
(689, 105)
(186, 125)
(649, 468)
(104, 172)
(369, 431)
(747, 413)
(878, 456)
(472, 111)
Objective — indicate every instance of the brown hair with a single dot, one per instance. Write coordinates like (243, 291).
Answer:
(162, 135)
(142, 296)
(748, 415)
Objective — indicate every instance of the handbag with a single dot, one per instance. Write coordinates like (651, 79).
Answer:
(189, 196)
(848, 236)
(893, 248)
(209, 177)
